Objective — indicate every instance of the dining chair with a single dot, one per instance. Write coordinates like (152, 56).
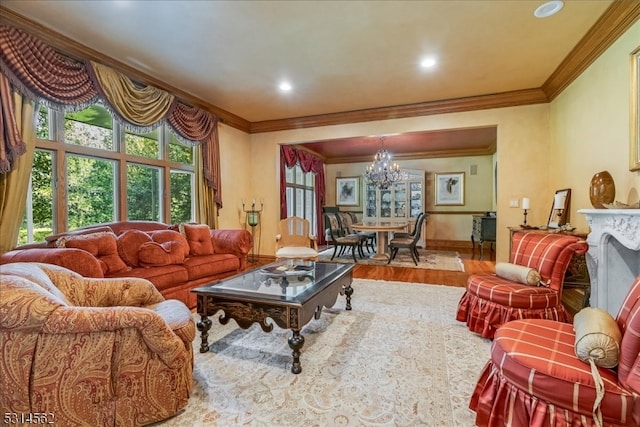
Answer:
(339, 240)
(412, 232)
(408, 242)
(294, 241)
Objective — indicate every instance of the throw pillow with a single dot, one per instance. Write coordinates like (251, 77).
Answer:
(154, 254)
(199, 238)
(518, 273)
(102, 245)
(598, 337)
(129, 244)
(162, 236)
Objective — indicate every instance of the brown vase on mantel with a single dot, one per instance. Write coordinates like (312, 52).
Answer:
(602, 190)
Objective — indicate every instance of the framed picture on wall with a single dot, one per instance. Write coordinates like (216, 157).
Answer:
(348, 191)
(449, 189)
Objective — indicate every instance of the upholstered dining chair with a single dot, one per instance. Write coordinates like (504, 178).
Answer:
(541, 372)
(413, 231)
(409, 242)
(346, 224)
(339, 240)
(491, 300)
(294, 240)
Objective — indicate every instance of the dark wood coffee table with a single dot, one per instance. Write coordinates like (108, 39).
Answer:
(290, 295)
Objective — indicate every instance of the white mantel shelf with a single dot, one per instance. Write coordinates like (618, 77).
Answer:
(613, 259)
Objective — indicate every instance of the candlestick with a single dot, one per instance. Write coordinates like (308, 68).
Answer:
(253, 219)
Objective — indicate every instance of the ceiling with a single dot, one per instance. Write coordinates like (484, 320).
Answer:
(346, 60)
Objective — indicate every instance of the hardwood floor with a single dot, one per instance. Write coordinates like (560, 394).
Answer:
(472, 264)
(572, 299)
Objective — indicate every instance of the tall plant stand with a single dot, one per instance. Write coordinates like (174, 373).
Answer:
(253, 219)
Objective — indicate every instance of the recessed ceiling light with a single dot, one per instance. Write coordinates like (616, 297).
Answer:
(427, 62)
(285, 86)
(549, 8)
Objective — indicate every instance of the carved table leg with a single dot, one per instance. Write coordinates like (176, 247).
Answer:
(296, 341)
(203, 326)
(348, 291)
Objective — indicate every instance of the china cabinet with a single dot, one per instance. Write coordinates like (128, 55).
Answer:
(402, 201)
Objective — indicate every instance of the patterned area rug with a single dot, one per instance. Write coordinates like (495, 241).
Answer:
(399, 358)
(430, 260)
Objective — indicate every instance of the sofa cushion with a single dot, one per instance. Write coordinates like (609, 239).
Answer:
(199, 238)
(162, 236)
(163, 277)
(102, 245)
(52, 240)
(153, 254)
(210, 265)
(129, 244)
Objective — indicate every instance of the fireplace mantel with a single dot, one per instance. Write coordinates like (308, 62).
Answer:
(613, 259)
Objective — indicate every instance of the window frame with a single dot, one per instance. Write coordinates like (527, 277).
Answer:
(291, 190)
(60, 150)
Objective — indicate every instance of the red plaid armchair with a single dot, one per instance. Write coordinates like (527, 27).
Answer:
(491, 301)
(534, 377)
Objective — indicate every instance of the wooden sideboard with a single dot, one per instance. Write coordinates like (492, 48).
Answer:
(484, 230)
(577, 283)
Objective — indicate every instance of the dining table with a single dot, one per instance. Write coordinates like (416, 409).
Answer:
(382, 229)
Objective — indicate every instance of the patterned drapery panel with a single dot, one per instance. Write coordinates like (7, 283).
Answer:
(42, 74)
(11, 143)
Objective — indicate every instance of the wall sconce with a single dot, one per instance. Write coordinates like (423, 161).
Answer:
(253, 219)
(525, 206)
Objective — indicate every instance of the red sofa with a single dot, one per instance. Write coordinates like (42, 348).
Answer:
(174, 258)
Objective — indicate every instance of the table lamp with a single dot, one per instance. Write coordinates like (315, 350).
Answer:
(558, 206)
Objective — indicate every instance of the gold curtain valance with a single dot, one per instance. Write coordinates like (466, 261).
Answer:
(141, 106)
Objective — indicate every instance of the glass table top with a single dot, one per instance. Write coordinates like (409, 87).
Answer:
(281, 281)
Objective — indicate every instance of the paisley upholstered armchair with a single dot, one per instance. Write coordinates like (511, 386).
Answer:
(99, 352)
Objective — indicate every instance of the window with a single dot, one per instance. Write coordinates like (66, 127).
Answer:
(143, 192)
(88, 169)
(301, 195)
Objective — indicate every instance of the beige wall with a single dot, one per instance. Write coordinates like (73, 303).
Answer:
(235, 171)
(541, 148)
(591, 129)
(446, 226)
(523, 138)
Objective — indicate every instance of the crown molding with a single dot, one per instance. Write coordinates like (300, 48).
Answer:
(436, 154)
(614, 22)
(482, 102)
(617, 19)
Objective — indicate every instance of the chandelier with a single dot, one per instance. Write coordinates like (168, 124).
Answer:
(382, 172)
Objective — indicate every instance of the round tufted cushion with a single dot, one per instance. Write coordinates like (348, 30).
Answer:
(163, 236)
(153, 254)
(129, 244)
